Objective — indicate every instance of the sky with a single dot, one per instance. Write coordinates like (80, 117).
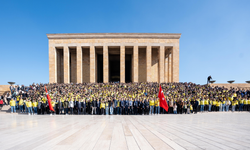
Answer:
(215, 36)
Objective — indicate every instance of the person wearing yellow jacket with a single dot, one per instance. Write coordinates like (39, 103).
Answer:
(102, 107)
(151, 105)
(34, 104)
(29, 106)
(21, 105)
(157, 106)
(13, 105)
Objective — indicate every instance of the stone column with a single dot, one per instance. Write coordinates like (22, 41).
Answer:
(135, 63)
(166, 66)
(161, 64)
(122, 64)
(148, 63)
(66, 64)
(52, 65)
(175, 64)
(105, 64)
(170, 66)
(92, 64)
(79, 64)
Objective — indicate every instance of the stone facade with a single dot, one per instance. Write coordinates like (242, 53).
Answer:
(74, 57)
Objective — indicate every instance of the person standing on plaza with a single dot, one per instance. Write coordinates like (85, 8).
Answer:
(39, 107)
(196, 103)
(71, 107)
(107, 107)
(21, 105)
(111, 107)
(146, 107)
(122, 108)
(115, 105)
(130, 106)
(118, 108)
(29, 107)
(151, 104)
(157, 107)
(1, 103)
(227, 103)
(60, 106)
(78, 106)
(171, 104)
(175, 108)
(135, 104)
(66, 106)
(13, 106)
(142, 107)
(102, 107)
(202, 103)
(34, 104)
(98, 107)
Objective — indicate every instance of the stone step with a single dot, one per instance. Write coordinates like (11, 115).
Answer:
(6, 108)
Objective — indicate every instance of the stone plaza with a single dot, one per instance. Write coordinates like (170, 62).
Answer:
(210, 131)
(113, 57)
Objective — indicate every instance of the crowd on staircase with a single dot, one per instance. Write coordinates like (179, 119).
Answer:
(124, 99)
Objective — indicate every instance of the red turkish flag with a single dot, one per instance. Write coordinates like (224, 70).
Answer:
(163, 102)
(49, 100)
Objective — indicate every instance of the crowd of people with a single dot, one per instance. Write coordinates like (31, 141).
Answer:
(124, 99)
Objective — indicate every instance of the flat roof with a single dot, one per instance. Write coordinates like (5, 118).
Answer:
(114, 35)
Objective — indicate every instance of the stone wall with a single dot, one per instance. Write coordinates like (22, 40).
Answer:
(4, 88)
(245, 86)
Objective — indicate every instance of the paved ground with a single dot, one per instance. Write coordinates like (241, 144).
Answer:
(202, 131)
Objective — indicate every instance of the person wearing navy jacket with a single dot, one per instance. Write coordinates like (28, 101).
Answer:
(122, 106)
(135, 107)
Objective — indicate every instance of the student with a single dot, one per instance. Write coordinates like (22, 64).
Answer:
(147, 107)
(94, 103)
(151, 105)
(130, 108)
(227, 103)
(13, 105)
(245, 104)
(175, 108)
(188, 108)
(66, 106)
(29, 106)
(191, 108)
(60, 106)
(111, 108)
(34, 104)
(21, 105)
(102, 106)
(135, 105)
(185, 107)
(107, 107)
(224, 104)
(210, 105)
(71, 107)
(202, 103)
(157, 107)
(233, 105)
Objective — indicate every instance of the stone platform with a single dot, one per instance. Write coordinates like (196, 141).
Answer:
(197, 131)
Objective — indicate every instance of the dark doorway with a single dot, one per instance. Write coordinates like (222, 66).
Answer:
(114, 68)
(128, 68)
(100, 68)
